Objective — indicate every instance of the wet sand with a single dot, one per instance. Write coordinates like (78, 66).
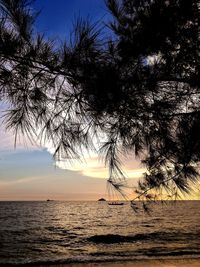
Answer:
(136, 263)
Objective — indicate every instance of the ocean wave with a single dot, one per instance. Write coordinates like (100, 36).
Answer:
(36, 240)
(105, 258)
(161, 236)
(181, 252)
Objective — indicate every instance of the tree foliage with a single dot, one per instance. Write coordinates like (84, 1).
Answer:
(139, 88)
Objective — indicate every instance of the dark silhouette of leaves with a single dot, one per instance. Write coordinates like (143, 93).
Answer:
(138, 88)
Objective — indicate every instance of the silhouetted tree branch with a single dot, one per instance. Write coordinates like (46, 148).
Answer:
(139, 89)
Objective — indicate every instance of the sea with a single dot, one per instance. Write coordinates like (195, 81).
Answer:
(35, 233)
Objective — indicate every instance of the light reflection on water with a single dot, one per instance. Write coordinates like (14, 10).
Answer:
(89, 231)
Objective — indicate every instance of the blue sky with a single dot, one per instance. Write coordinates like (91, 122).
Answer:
(29, 173)
(57, 17)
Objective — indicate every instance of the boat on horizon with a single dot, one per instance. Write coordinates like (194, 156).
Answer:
(116, 203)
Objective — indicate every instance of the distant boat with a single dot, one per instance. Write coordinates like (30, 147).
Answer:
(116, 203)
(49, 200)
(102, 199)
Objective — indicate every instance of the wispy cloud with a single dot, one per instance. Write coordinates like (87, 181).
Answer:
(93, 167)
(19, 181)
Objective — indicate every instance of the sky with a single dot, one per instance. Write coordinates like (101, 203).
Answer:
(57, 17)
(28, 172)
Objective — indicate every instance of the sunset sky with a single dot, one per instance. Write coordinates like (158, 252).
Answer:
(29, 172)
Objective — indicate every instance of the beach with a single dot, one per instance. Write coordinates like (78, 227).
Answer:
(136, 263)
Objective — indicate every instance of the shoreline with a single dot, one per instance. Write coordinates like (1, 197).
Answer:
(160, 262)
(190, 262)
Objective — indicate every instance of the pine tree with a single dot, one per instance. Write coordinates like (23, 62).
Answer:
(138, 88)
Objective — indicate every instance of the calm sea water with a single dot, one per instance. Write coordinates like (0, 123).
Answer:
(35, 232)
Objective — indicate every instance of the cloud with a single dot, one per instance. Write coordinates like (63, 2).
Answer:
(152, 60)
(19, 181)
(93, 167)
(90, 166)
